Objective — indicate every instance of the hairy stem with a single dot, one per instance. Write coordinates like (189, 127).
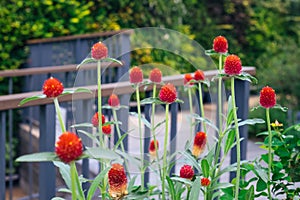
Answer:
(191, 111)
(57, 109)
(269, 152)
(73, 181)
(201, 106)
(165, 153)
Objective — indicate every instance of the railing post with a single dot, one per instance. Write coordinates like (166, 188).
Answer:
(173, 129)
(2, 154)
(242, 90)
(47, 173)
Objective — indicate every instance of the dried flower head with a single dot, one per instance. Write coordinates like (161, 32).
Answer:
(199, 143)
(95, 120)
(152, 148)
(68, 147)
(199, 75)
(52, 87)
(99, 51)
(187, 78)
(232, 65)
(155, 75)
(168, 93)
(117, 181)
(220, 44)
(205, 182)
(113, 100)
(136, 75)
(267, 98)
(186, 171)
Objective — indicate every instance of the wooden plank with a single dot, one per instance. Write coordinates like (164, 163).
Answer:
(81, 36)
(12, 101)
(53, 69)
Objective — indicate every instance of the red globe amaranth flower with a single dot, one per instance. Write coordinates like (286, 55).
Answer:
(267, 98)
(95, 120)
(205, 182)
(99, 51)
(113, 100)
(155, 75)
(220, 44)
(187, 78)
(186, 171)
(199, 75)
(106, 129)
(52, 87)
(136, 75)
(117, 181)
(68, 147)
(168, 93)
(232, 65)
(199, 143)
(152, 148)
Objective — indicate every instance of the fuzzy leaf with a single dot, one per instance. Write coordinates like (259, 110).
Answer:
(120, 140)
(112, 60)
(64, 170)
(195, 189)
(38, 157)
(33, 98)
(229, 141)
(96, 182)
(85, 61)
(182, 180)
(205, 168)
(85, 125)
(171, 187)
(99, 153)
(144, 120)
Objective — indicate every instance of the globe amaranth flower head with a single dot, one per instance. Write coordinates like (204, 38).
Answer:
(95, 119)
(52, 87)
(106, 129)
(199, 143)
(199, 75)
(232, 65)
(136, 75)
(68, 147)
(187, 171)
(152, 150)
(155, 75)
(205, 182)
(267, 98)
(168, 93)
(220, 44)
(99, 51)
(113, 100)
(187, 78)
(117, 181)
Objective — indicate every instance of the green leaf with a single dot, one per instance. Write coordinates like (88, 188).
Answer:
(131, 184)
(85, 61)
(78, 90)
(194, 194)
(251, 122)
(171, 188)
(229, 117)
(66, 190)
(99, 153)
(33, 98)
(192, 160)
(261, 185)
(120, 140)
(64, 170)
(229, 141)
(282, 108)
(205, 168)
(220, 186)
(112, 60)
(90, 135)
(144, 120)
(182, 180)
(57, 198)
(38, 157)
(96, 183)
(85, 125)
(246, 77)
(179, 101)
(151, 100)
(159, 124)
(207, 121)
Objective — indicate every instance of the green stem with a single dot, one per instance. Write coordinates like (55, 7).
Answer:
(188, 192)
(191, 111)
(205, 193)
(201, 106)
(238, 146)
(73, 180)
(99, 103)
(269, 152)
(165, 153)
(220, 96)
(153, 131)
(140, 134)
(57, 109)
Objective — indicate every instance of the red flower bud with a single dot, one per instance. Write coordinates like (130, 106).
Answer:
(232, 65)
(205, 182)
(106, 129)
(113, 100)
(68, 147)
(52, 87)
(187, 79)
(155, 75)
(199, 75)
(168, 93)
(136, 75)
(117, 181)
(95, 120)
(220, 44)
(267, 98)
(199, 143)
(186, 171)
(152, 148)
(99, 51)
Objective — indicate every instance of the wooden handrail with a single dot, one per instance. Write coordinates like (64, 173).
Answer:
(12, 101)
(81, 36)
(53, 69)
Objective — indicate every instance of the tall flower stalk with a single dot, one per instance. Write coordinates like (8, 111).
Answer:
(267, 100)
(187, 82)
